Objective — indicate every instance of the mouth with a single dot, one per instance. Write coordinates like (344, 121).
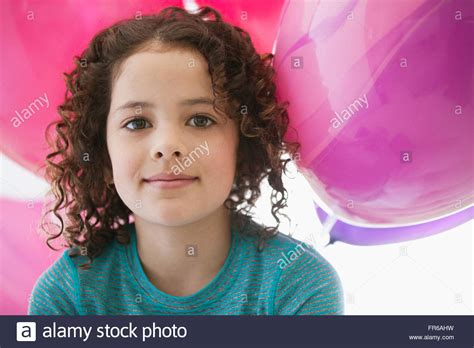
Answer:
(171, 183)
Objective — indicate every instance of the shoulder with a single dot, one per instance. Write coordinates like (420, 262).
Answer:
(307, 283)
(59, 288)
(55, 291)
(303, 281)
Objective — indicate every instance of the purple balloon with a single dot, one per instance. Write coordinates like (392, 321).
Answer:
(357, 235)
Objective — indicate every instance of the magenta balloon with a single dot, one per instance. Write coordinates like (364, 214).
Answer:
(381, 99)
(356, 235)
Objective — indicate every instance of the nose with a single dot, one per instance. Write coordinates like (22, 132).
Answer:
(167, 145)
(173, 154)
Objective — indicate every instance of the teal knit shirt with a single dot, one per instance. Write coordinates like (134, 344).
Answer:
(287, 278)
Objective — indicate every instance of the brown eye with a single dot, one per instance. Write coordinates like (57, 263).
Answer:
(138, 123)
(201, 121)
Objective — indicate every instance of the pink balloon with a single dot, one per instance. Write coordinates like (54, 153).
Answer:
(23, 254)
(34, 57)
(381, 100)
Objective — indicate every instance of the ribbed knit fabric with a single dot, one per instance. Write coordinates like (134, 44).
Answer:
(287, 278)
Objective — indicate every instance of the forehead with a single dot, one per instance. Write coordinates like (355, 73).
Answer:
(169, 75)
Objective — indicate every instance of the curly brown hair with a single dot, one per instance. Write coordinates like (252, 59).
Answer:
(244, 90)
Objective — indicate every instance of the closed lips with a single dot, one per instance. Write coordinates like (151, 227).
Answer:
(168, 177)
(172, 179)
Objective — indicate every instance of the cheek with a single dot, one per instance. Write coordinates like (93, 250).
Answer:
(125, 166)
(124, 159)
(221, 163)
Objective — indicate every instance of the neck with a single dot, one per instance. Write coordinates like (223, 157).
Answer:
(181, 260)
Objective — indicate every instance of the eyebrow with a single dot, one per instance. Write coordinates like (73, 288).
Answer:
(145, 104)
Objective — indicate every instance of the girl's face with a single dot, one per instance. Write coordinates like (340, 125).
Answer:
(161, 120)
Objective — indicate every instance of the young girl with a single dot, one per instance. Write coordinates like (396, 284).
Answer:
(168, 128)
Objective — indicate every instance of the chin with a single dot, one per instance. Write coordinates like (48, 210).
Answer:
(172, 218)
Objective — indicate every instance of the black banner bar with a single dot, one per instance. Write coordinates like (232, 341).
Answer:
(238, 331)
